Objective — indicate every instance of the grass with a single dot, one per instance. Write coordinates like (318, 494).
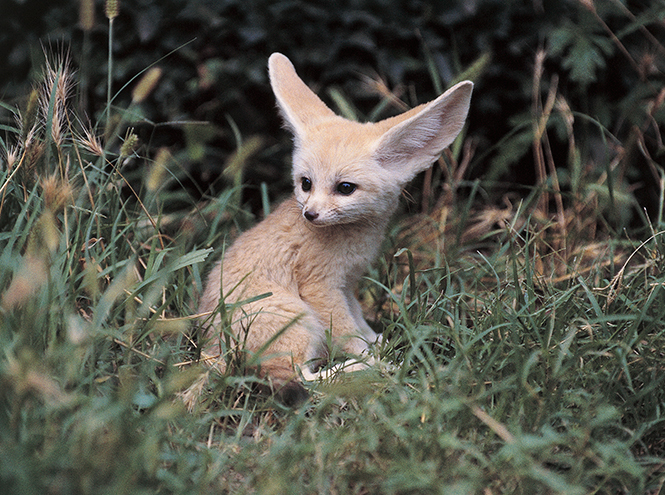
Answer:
(528, 352)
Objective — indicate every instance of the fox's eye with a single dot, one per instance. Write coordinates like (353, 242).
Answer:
(346, 188)
(306, 184)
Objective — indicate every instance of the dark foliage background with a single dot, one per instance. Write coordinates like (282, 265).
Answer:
(214, 57)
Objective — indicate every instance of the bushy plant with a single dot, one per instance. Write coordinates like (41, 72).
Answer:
(602, 59)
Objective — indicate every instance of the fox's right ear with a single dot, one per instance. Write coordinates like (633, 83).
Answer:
(300, 106)
(421, 134)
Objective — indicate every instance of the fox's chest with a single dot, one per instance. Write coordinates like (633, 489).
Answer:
(339, 258)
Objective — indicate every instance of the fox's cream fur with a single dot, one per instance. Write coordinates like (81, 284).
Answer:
(311, 251)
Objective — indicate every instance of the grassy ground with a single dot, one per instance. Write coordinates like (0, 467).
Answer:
(527, 341)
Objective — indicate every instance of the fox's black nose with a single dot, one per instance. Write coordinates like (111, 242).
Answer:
(311, 216)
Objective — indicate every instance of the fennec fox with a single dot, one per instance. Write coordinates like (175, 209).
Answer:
(312, 250)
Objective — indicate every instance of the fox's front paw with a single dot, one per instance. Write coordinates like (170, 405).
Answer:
(348, 366)
(351, 365)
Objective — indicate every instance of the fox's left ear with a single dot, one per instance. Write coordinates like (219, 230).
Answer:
(419, 136)
(300, 106)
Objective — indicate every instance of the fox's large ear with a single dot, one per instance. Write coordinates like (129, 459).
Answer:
(299, 104)
(419, 136)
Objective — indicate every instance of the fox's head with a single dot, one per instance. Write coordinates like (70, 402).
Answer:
(346, 172)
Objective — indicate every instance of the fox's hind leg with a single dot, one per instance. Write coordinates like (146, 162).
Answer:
(286, 332)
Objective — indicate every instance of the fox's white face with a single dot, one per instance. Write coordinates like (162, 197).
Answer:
(338, 180)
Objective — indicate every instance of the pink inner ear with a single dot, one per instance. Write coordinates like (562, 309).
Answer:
(411, 145)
